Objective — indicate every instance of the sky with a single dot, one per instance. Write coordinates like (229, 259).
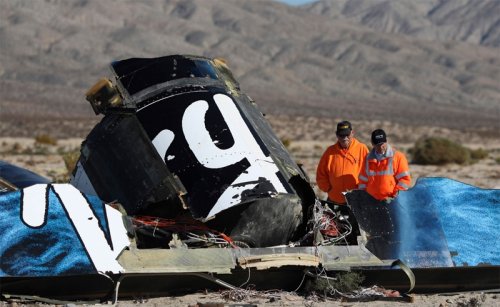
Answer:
(296, 2)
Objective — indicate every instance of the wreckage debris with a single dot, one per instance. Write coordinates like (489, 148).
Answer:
(178, 133)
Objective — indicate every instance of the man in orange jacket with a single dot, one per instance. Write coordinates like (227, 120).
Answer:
(385, 171)
(340, 165)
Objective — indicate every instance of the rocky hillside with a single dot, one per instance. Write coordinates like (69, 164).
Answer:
(432, 62)
(471, 21)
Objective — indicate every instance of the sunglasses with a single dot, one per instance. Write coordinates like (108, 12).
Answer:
(343, 136)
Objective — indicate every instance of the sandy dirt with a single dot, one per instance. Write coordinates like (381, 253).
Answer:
(469, 299)
(219, 299)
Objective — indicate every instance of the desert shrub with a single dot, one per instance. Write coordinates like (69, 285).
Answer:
(286, 142)
(439, 151)
(17, 148)
(498, 160)
(45, 139)
(70, 159)
(478, 154)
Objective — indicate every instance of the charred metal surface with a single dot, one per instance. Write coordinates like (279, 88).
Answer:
(123, 166)
(263, 222)
(437, 280)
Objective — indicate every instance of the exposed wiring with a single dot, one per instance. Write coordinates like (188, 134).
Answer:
(327, 227)
(190, 231)
(301, 282)
(248, 279)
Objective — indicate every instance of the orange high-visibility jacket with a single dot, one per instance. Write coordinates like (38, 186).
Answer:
(338, 169)
(384, 178)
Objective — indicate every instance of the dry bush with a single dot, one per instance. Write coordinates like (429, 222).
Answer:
(45, 139)
(70, 159)
(478, 154)
(439, 151)
(286, 142)
(16, 148)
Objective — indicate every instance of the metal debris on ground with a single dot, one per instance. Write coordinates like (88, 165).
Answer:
(327, 226)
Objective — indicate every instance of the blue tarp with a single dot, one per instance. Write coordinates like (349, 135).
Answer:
(435, 217)
(470, 217)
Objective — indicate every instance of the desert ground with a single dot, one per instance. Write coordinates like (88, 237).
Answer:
(48, 153)
(220, 299)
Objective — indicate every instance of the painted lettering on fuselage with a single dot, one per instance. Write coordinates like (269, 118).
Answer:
(62, 231)
(212, 152)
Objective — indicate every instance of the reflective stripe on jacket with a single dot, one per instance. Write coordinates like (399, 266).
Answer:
(338, 169)
(384, 178)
